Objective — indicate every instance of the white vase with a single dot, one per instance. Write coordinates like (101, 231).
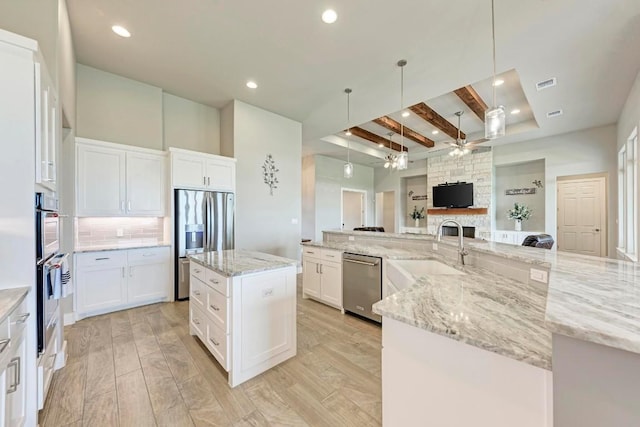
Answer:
(417, 222)
(518, 225)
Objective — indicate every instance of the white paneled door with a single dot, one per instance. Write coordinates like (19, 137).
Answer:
(353, 209)
(582, 226)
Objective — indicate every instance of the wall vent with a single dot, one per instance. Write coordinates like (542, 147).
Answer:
(555, 113)
(546, 84)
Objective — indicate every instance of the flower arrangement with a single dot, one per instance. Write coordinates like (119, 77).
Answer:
(519, 212)
(417, 214)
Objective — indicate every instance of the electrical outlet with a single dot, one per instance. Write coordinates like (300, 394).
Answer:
(434, 246)
(352, 238)
(119, 232)
(538, 275)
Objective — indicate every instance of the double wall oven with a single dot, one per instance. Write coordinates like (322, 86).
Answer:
(47, 262)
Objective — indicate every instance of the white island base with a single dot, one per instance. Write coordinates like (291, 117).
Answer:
(247, 322)
(429, 379)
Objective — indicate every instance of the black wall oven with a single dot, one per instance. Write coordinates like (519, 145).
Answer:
(47, 265)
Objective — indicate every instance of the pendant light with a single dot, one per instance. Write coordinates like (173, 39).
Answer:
(391, 160)
(403, 157)
(494, 117)
(348, 167)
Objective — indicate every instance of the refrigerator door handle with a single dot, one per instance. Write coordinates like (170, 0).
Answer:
(205, 220)
(210, 240)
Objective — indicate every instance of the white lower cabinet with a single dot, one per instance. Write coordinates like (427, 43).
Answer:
(247, 322)
(322, 275)
(113, 280)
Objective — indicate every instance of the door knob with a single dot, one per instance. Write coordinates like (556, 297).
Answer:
(597, 229)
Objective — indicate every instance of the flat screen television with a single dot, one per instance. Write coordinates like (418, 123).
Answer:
(458, 195)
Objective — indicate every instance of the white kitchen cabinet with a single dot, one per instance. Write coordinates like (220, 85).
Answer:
(118, 180)
(114, 280)
(190, 169)
(322, 275)
(48, 128)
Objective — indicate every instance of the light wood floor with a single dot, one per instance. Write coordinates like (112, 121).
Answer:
(141, 367)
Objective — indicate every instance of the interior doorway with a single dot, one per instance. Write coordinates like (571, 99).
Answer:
(354, 212)
(386, 211)
(582, 214)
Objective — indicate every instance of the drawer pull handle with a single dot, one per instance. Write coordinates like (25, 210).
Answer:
(196, 321)
(214, 342)
(197, 271)
(4, 343)
(23, 318)
(215, 308)
(148, 254)
(197, 293)
(214, 281)
(102, 259)
(15, 364)
(310, 252)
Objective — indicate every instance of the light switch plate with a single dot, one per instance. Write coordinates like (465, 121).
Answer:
(538, 275)
(119, 232)
(352, 238)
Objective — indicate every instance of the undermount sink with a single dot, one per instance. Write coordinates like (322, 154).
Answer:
(402, 273)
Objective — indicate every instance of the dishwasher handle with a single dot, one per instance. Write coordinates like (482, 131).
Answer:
(355, 261)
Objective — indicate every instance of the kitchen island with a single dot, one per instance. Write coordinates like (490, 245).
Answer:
(242, 307)
(477, 347)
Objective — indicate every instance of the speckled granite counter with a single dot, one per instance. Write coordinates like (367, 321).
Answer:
(119, 247)
(588, 298)
(238, 262)
(10, 299)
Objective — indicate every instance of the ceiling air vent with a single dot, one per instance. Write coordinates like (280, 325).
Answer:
(546, 84)
(554, 113)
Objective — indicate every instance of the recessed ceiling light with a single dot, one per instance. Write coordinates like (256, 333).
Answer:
(515, 111)
(121, 31)
(405, 114)
(251, 84)
(348, 133)
(435, 132)
(329, 16)
(380, 145)
(498, 82)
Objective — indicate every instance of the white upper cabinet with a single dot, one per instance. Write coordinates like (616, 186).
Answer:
(190, 169)
(117, 180)
(47, 130)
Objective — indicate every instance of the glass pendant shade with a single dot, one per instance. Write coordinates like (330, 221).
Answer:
(403, 161)
(494, 122)
(348, 170)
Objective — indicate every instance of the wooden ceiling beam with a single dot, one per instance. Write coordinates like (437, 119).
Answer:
(389, 123)
(469, 96)
(376, 139)
(429, 115)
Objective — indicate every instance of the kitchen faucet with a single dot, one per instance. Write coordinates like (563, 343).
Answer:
(461, 250)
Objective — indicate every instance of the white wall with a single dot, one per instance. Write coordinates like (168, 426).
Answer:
(66, 59)
(265, 222)
(190, 125)
(116, 109)
(630, 115)
(520, 175)
(309, 198)
(576, 153)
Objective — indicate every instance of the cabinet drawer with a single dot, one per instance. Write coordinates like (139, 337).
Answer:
(312, 251)
(331, 255)
(198, 293)
(151, 255)
(218, 282)
(18, 319)
(197, 270)
(217, 343)
(198, 321)
(218, 309)
(101, 259)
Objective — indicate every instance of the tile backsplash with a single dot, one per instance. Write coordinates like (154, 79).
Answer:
(101, 232)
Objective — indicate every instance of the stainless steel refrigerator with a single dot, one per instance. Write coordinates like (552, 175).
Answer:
(203, 222)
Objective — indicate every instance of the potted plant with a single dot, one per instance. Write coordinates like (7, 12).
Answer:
(519, 213)
(417, 215)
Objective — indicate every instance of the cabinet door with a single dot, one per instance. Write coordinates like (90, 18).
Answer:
(15, 390)
(101, 288)
(188, 171)
(331, 289)
(147, 282)
(100, 181)
(46, 128)
(221, 175)
(311, 277)
(145, 184)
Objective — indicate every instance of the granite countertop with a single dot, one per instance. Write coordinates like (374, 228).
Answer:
(10, 299)
(119, 247)
(589, 298)
(479, 308)
(236, 262)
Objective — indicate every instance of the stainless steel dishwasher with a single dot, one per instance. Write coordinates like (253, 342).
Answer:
(361, 284)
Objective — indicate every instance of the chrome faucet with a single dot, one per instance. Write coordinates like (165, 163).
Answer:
(461, 250)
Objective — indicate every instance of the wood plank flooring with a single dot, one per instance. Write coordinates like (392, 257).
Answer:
(141, 367)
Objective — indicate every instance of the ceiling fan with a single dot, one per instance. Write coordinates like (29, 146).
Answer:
(460, 146)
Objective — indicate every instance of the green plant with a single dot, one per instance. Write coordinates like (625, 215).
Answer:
(519, 212)
(417, 214)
